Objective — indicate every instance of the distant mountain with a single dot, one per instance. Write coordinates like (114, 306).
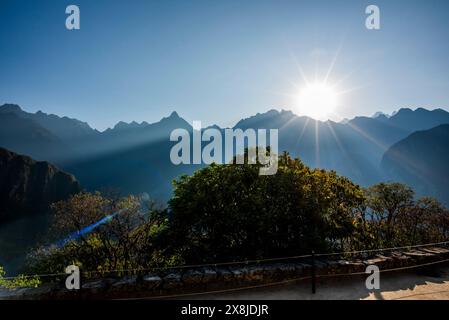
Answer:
(422, 161)
(40, 135)
(380, 114)
(327, 145)
(386, 130)
(28, 137)
(62, 127)
(128, 135)
(28, 187)
(419, 119)
(134, 157)
(353, 148)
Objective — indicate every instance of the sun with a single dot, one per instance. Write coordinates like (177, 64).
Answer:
(317, 100)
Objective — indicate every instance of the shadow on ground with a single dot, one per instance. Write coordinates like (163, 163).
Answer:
(430, 283)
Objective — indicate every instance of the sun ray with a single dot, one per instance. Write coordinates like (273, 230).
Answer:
(287, 123)
(317, 144)
(300, 70)
(331, 67)
(302, 132)
(367, 136)
(337, 140)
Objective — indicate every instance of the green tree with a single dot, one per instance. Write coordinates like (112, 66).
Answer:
(386, 201)
(230, 211)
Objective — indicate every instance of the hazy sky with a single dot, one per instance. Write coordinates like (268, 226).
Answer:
(218, 61)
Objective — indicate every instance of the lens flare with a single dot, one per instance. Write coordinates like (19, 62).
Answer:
(317, 101)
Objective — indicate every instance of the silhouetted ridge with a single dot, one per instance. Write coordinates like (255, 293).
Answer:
(135, 157)
(28, 187)
(421, 160)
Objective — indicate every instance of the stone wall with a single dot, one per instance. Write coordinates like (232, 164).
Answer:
(191, 280)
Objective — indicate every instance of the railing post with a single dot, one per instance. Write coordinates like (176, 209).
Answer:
(313, 273)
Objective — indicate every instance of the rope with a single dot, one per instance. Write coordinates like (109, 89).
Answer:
(381, 271)
(205, 265)
(45, 275)
(381, 249)
(272, 284)
(234, 262)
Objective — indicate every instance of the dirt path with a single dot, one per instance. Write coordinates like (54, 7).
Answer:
(402, 286)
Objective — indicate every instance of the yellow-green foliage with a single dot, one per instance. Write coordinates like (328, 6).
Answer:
(124, 242)
(18, 281)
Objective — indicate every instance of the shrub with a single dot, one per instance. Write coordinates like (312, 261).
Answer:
(225, 211)
(18, 281)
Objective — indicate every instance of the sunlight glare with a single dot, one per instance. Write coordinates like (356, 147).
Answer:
(317, 101)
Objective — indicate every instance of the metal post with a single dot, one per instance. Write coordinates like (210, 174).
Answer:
(313, 273)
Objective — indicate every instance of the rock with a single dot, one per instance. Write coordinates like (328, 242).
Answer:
(151, 281)
(287, 270)
(28, 187)
(379, 261)
(436, 250)
(192, 277)
(238, 274)
(356, 266)
(306, 269)
(42, 292)
(96, 286)
(15, 293)
(255, 273)
(402, 261)
(126, 283)
(389, 261)
(271, 271)
(129, 280)
(397, 257)
(172, 280)
(332, 265)
(224, 274)
(418, 255)
(344, 266)
(209, 275)
(320, 266)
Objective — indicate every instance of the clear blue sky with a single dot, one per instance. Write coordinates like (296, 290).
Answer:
(218, 61)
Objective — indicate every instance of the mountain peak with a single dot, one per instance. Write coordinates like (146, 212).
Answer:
(172, 118)
(272, 112)
(121, 125)
(287, 112)
(8, 107)
(404, 111)
(380, 114)
(174, 114)
(213, 126)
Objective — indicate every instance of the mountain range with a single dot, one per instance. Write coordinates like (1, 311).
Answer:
(134, 157)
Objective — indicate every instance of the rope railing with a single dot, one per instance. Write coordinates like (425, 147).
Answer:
(278, 283)
(242, 262)
(193, 266)
(382, 249)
